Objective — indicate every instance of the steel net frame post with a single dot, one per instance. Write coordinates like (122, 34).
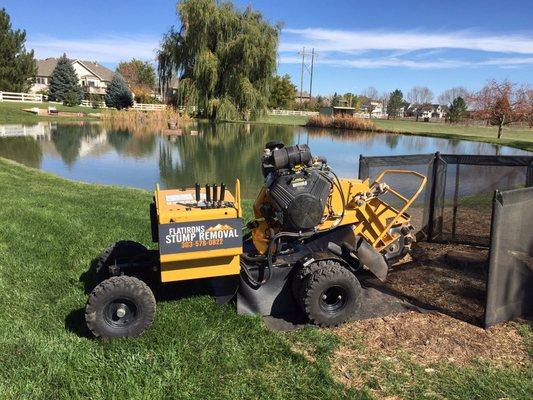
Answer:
(432, 195)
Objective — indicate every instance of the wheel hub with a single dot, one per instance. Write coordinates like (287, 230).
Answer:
(333, 299)
(120, 313)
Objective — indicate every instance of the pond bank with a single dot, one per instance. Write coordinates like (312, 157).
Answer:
(521, 138)
(13, 113)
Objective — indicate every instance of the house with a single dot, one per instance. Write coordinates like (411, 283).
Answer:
(334, 111)
(166, 92)
(374, 108)
(439, 111)
(93, 77)
(426, 111)
(304, 98)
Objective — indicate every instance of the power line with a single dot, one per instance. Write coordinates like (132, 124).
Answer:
(309, 69)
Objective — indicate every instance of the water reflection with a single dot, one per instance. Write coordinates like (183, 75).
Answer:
(218, 154)
(204, 152)
(22, 149)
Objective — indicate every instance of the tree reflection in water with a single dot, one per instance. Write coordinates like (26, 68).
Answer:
(22, 149)
(218, 153)
(69, 138)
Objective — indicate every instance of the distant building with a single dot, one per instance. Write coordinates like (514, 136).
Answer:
(167, 92)
(333, 111)
(435, 111)
(376, 106)
(439, 111)
(304, 98)
(93, 77)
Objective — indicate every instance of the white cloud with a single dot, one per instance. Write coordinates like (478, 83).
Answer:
(105, 49)
(409, 49)
(350, 41)
(384, 62)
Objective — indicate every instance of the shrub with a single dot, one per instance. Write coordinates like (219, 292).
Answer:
(71, 99)
(341, 122)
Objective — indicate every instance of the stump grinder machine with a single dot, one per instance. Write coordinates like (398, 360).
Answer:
(312, 235)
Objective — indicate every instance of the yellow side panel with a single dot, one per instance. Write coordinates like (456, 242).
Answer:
(196, 255)
(200, 268)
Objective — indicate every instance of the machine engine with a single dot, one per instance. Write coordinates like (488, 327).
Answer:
(297, 187)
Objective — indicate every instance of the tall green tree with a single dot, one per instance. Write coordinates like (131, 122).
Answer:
(457, 109)
(64, 83)
(350, 98)
(140, 77)
(117, 94)
(17, 66)
(283, 92)
(225, 59)
(335, 100)
(395, 104)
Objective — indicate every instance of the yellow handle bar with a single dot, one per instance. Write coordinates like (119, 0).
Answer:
(407, 201)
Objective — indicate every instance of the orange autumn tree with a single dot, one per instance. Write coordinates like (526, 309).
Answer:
(140, 77)
(501, 103)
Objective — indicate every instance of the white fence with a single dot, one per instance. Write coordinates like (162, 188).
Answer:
(39, 130)
(148, 107)
(293, 112)
(89, 103)
(136, 106)
(21, 97)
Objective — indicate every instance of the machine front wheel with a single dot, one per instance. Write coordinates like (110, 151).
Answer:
(120, 306)
(331, 295)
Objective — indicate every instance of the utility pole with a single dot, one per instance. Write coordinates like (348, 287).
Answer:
(309, 69)
(302, 75)
(312, 67)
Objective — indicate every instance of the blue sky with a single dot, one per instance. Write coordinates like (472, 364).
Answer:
(385, 44)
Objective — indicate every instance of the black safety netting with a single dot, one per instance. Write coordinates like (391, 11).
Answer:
(510, 274)
(450, 270)
(371, 167)
(464, 192)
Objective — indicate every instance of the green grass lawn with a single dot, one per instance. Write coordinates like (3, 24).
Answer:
(282, 120)
(512, 136)
(12, 113)
(50, 231)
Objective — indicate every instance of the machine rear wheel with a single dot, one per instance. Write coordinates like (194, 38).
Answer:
(120, 306)
(331, 295)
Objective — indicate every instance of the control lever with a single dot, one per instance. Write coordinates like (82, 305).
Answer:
(207, 195)
(197, 192)
(215, 195)
(222, 191)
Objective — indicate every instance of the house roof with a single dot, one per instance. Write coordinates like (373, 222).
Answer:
(342, 108)
(99, 70)
(47, 66)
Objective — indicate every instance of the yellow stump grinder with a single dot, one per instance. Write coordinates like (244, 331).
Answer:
(312, 235)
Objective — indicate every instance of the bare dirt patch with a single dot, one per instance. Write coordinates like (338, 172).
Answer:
(371, 349)
(435, 337)
(429, 280)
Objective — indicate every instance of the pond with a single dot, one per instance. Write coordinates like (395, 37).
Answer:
(203, 153)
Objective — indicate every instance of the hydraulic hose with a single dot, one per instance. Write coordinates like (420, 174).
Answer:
(269, 256)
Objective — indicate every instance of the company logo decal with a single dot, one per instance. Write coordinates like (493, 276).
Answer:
(203, 235)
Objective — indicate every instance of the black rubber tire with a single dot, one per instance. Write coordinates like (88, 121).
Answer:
(126, 291)
(122, 248)
(300, 275)
(334, 281)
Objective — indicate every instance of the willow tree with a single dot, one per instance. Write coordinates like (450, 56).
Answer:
(224, 59)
